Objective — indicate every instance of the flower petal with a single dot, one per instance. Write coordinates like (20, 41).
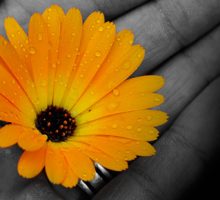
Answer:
(31, 139)
(81, 164)
(55, 164)
(134, 125)
(102, 158)
(9, 135)
(18, 38)
(70, 34)
(70, 180)
(16, 83)
(31, 163)
(133, 94)
(109, 145)
(53, 17)
(9, 112)
(90, 62)
(141, 148)
(38, 50)
(121, 62)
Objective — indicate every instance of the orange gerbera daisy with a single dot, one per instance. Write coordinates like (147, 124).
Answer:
(63, 89)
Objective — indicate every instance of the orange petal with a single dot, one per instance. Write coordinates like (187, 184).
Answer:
(55, 165)
(90, 26)
(31, 163)
(9, 112)
(37, 139)
(121, 62)
(109, 145)
(16, 81)
(81, 165)
(69, 46)
(18, 39)
(102, 158)
(71, 179)
(133, 94)
(9, 135)
(90, 62)
(141, 148)
(53, 17)
(38, 51)
(134, 125)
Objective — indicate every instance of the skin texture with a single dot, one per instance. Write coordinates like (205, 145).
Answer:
(182, 38)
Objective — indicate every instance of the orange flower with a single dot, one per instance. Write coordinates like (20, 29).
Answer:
(63, 89)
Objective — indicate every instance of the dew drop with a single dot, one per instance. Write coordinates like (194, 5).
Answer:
(53, 65)
(73, 34)
(98, 21)
(129, 127)
(139, 119)
(12, 35)
(97, 54)
(149, 118)
(4, 82)
(32, 50)
(115, 92)
(157, 99)
(68, 55)
(39, 37)
(139, 129)
(92, 92)
(81, 76)
(139, 55)
(112, 106)
(114, 125)
(126, 65)
(101, 28)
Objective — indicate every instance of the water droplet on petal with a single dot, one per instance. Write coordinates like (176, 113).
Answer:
(139, 129)
(98, 21)
(68, 55)
(32, 50)
(53, 65)
(114, 125)
(126, 65)
(149, 118)
(12, 35)
(40, 37)
(115, 92)
(157, 99)
(97, 54)
(112, 106)
(81, 76)
(129, 127)
(101, 28)
(4, 82)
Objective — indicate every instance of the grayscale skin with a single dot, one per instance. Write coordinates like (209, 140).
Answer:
(182, 38)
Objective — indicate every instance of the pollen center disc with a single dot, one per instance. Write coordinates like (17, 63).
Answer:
(56, 123)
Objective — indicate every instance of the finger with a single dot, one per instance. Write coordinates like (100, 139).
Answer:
(22, 9)
(165, 27)
(182, 154)
(189, 72)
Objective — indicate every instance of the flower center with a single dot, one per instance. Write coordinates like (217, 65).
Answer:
(56, 123)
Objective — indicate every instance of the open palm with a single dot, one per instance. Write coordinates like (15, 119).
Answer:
(182, 39)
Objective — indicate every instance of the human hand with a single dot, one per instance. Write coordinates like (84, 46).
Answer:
(182, 39)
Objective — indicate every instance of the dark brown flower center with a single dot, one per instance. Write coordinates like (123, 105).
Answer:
(56, 123)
